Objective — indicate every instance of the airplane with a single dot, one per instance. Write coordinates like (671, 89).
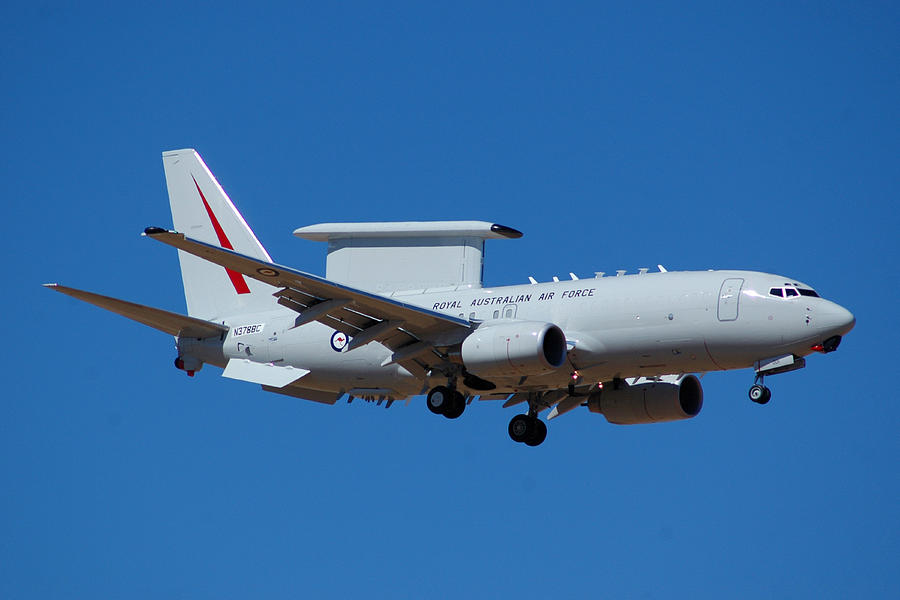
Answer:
(402, 312)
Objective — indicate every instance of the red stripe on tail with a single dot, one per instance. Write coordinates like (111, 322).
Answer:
(237, 280)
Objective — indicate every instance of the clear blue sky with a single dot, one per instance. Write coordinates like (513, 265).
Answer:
(757, 136)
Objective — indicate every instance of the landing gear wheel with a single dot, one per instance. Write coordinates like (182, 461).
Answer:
(538, 435)
(760, 394)
(439, 399)
(520, 428)
(455, 406)
(527, 429)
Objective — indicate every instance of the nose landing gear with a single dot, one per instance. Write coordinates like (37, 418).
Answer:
(760, 393)
(785, 363)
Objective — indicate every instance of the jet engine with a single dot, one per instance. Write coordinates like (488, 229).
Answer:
(511, 349)
(668, 398)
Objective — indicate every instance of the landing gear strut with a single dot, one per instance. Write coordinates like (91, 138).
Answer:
(527, 429)
(445, 400)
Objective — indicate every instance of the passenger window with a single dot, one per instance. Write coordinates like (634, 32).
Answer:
(496, 314)
(777, 292)
(509, 313)
(471, 316)
(791, 292)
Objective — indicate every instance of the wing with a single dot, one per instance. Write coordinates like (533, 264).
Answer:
(415, 335)
(169, 322)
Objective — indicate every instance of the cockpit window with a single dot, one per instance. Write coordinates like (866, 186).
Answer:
(791, 290)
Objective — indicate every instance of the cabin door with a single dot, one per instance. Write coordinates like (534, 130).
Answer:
(729, 298)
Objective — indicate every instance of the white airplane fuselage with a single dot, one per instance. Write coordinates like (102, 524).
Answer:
(401, 311)
(647, 324)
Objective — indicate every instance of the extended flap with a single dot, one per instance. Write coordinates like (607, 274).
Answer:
(262, 373)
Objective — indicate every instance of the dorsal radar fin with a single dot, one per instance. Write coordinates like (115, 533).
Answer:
(407, 255)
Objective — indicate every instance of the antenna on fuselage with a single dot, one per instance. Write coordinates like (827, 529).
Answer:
(573, 276)
(532, 280)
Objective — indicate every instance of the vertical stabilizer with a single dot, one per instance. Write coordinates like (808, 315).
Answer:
(202, 210)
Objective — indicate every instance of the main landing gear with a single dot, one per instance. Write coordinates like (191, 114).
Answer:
(445, 400)
(527, 429)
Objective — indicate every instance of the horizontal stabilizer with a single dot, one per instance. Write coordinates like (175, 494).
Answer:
(169, 322)
(262, 373)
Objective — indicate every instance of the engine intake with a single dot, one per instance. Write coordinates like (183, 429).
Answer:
(649, 401)
(517, 348)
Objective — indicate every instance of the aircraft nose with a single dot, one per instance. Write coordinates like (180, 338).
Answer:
(838, 319)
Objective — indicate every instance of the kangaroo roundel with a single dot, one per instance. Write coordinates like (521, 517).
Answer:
(338, 341)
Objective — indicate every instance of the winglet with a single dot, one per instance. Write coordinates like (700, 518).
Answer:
(149, 231)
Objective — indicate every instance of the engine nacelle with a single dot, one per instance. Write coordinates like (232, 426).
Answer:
(649, 401)
(513, 349)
